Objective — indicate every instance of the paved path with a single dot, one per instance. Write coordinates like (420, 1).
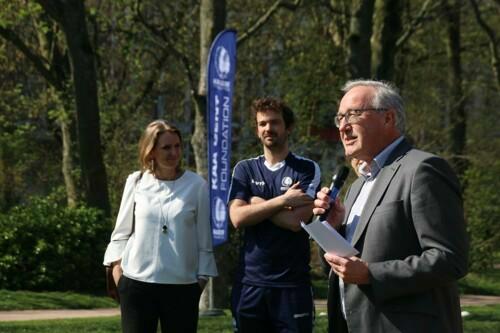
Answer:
(56, 314)
(474, 300)
(465, 300)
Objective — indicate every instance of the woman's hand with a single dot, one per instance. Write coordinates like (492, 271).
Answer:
(117, 271)
(202, 282)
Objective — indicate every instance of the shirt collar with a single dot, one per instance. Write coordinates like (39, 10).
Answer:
(370, 171)
(279, 165)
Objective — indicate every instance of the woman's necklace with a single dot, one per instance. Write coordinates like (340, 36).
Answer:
(164, 219)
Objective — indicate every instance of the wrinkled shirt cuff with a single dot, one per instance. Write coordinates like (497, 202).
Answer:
(114, 252)
(207, 264)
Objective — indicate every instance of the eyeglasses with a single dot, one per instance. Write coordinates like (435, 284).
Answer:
(352, 115)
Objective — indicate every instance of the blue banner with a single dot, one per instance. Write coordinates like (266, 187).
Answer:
(221, 71)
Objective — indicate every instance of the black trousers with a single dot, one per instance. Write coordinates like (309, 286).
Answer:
(336, 321)
(143, 304)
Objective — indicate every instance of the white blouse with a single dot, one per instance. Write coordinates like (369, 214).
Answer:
(182, 253)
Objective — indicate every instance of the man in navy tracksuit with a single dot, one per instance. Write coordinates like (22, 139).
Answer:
(270, 195)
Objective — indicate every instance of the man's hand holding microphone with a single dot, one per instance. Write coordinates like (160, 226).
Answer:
(328, 207)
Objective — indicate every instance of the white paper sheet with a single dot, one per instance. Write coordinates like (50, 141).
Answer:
(329, 239)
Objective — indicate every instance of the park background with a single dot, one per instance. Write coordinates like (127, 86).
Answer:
(81, 79)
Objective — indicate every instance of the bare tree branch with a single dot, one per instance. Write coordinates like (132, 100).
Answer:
(40, 63)
(430, 55)
(53, 8)
(161, 33)
(328, 5)
(264, 18)
(493, 41)
(121, 82)
(150, 83)
(416, 23)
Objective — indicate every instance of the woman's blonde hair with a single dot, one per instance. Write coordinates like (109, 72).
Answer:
(149, 139)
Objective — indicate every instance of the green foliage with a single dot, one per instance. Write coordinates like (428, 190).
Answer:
(29, 151)
(47, 246)
(483, 213)
(29, 300)
(320, 288)
(15, 11)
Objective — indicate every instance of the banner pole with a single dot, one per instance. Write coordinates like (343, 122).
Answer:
(211, 311)
(221, 70)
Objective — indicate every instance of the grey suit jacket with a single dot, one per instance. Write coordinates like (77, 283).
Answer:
(412, 235)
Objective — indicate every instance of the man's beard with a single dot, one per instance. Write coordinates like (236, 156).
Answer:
(276, 142)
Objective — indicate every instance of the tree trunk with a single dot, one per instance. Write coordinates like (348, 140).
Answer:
(494, 41)
(4, 189)
(338, 25)
(360, 32)
(70, 15)
(456, 102)
(50, 49)
(212, 21)
(67, 163)
(199, 138)
(388, 28)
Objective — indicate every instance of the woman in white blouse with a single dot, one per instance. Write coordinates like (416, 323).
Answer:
(161, 247)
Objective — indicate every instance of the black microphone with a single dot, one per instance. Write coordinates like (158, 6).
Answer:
(337, 181)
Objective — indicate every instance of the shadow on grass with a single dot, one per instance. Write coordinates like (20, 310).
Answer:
(485, 283)
(27, 300)
(482, 319)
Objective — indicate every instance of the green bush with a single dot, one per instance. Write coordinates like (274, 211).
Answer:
(482, 209)
(45, 245)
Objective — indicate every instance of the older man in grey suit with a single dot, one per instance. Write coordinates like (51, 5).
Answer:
(405, 217)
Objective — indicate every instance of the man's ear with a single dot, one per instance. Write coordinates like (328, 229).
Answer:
(390, 117)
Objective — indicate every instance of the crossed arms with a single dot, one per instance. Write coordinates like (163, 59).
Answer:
(285, 211)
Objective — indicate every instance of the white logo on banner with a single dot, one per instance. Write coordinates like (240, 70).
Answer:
(222, 62)
(220, 213)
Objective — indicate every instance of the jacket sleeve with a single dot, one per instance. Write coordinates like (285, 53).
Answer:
(206, 259)
(123, 226)
(438, 219)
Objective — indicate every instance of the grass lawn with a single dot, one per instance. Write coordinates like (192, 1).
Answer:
(487, 283)
(483, 319)
(29, 300)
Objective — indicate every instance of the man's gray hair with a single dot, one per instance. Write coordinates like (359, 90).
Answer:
(386, 96)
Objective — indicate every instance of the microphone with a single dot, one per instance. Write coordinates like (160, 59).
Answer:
(337, 181)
